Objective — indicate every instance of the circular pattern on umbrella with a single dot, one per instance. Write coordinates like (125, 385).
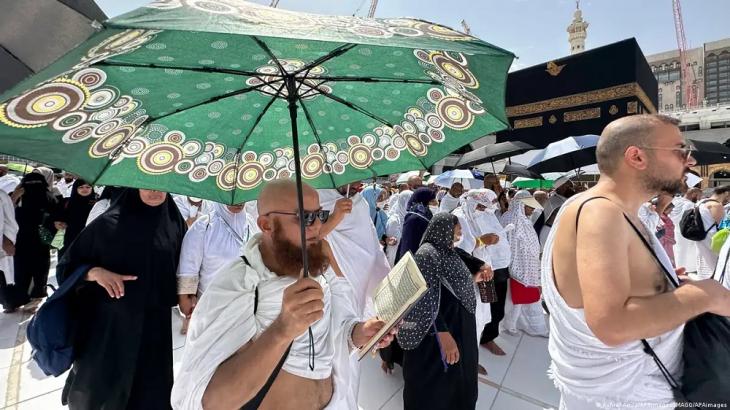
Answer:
(106, 127)
(435, 95)
(91, 78)
(313, 149)
(312, 165)
(441, 32)
(226, 180)
(105, 115)
(122, 101)
(370, 31)
(343, 157)
(101, 98)
(269, 174)
(134, 147)
(449, 66)
(69, 121)
(392, 154)
(370, 140)
(175, 136)
(405, 31)
(454, 112)
(159, 158)
(128, 107)
(248, 156)
(204, 158)
(198, 174)
(377, 154)
(424, 138)
(80, 133)
(41, 105)
(218, 150)
(338, 168)
(192, 148)
(184, 166)
(108, 143)
(434, 121)
(360, 156)
(250, 174)
(353, 140)
(415, 146)
(137, 122)
(216, 166)
(399, 142)
(119, 43)
(266, 159)
(436, 135)
(283, 173)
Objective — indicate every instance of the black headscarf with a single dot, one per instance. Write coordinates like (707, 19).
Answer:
(132, 238)
(35, 202)
(76, 211)
(440, 264)
(415, 222)
(111, 193)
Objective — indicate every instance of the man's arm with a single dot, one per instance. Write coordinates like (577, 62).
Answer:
(343, 207)
(602, 256)
(240, 377)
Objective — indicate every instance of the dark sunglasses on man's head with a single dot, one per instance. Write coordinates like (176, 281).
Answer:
(308, 216)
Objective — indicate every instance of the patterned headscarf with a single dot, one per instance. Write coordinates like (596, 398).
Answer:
(440, 264)
(524, 243)
(469, 202)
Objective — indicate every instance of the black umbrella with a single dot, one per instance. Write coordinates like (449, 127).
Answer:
(493, 152)
(709, 152)
(566, 155)
(33, 34)
(512, 168)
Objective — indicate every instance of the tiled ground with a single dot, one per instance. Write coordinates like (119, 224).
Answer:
(516, 381)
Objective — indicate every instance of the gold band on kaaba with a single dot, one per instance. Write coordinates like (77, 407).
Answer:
(582, 99)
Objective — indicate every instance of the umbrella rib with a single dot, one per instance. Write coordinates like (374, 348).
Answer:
(248, 135)
(193, 69)
(332, 54)
(354, 107)
(220, 97)
(268, 51)
(316, 134)
(376, 80)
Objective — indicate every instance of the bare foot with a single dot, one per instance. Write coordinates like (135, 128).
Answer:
(481, 370)
(494, 348)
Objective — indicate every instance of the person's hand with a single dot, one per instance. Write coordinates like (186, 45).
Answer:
(386, 207)
(60, 225)
(485, 274)
(391, 241)
(364, 331)
(717, 296)
(301, 306)
(448, 344)
(17, 194)
(489, 238)
(343, 207)
(112, 282)
(8, 246)
(187, 304)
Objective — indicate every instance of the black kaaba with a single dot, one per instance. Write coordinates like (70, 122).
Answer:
(579, 94)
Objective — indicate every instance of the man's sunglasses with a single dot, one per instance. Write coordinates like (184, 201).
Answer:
(683, 152)
(308, 216)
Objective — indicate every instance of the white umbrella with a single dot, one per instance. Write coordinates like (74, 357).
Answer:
(403, 178)
(462, 176)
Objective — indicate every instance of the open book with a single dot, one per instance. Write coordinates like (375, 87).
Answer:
(395, 296)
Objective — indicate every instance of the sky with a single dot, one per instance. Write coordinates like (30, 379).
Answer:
(534, 30)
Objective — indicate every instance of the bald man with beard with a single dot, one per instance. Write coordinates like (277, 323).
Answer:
(248, 344)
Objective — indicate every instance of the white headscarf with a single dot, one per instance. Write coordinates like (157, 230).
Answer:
(236, 224)
(400, 207)
(525, 245)
(469, 202)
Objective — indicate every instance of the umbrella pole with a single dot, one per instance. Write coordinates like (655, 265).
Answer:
(292, 98)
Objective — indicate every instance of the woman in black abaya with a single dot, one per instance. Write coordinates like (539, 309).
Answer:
(123, 343)
(439, 335)
(76, 210)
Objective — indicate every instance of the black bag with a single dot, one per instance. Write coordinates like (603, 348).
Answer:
(706, 355)
(691, 225)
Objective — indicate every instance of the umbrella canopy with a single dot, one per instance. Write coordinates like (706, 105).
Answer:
(403, 178)
(530, 183)
(709, 152)
(22, 168)
(493, 152)
(33, 34)
(508, 168)
(214, 99)
(567, 154)
(462, 176)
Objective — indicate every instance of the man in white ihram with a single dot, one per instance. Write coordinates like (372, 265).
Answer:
(251, 324)
(604, 289)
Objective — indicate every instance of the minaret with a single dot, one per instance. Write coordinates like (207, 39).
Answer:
(577, 31)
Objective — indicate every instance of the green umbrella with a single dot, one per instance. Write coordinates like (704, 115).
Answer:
(214, 98)
(22, 168)
(529, 183)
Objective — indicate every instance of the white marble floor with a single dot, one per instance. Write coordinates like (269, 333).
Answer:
(516, 381)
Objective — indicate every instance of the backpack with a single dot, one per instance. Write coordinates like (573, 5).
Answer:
(51, 330)
(691, 225)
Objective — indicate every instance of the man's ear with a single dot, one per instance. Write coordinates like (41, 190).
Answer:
(264, 223)
(636, 158)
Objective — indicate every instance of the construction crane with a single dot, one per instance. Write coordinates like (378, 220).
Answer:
(373, 5)
(467, 29)
(274, 3)
(687, 74)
